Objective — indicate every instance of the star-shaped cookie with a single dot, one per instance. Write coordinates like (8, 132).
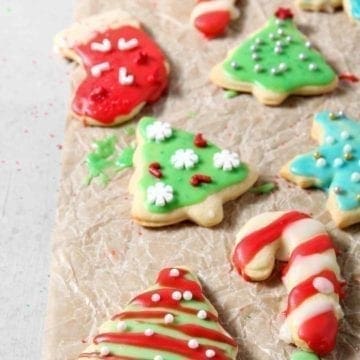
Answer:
(334, 166)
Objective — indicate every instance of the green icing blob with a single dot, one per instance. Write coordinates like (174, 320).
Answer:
(240, 64)
(264, 188)
(105, 160)
(229, 94)
(304, 355)
(184, 193)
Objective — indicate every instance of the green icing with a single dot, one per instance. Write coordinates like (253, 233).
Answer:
(105, 160)
(229, 94)
(264, 188)
(304, 355)
(139, 327)
(241, 65)
(184, 193)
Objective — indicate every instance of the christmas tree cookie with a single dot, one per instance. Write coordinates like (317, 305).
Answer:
(179, 176)
(334, 166)
(319, 5)
(173, 320)
(275, 62)
(123, 67)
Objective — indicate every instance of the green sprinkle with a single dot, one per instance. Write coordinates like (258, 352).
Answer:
(303, 355)
(191, 114)
(229, 94)
(264, 188)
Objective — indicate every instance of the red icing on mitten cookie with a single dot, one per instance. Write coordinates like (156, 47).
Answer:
(125, 69)
(213, 17)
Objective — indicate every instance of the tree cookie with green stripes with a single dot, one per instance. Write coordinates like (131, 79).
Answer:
(172, 320)
(275, 62)
(179, 175)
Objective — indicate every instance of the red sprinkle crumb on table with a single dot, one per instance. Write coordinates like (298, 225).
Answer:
(349, 77)
(154, 169)
(199, 179)
(199, 141)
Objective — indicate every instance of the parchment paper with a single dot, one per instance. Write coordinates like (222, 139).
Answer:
(101, 258)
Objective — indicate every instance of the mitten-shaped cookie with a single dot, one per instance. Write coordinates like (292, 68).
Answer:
(124, 68)
(173, 320)
(312, 275)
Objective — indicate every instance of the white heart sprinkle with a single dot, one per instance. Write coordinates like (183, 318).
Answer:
(127, 44)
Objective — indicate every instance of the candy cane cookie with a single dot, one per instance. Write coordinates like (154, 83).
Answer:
(212, 17)
(312, 275)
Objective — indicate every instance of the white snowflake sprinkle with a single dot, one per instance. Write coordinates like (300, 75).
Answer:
(158, 131)
(160, 194)
(226, 160)
(184, 159)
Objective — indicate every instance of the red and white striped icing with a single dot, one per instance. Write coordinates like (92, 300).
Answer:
(312, 275)
(171, 320)
(211, 17)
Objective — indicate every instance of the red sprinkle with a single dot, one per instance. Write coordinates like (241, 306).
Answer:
(199, 179)
(141, 58)
(199, 141)
(349, 77)
(284, 13)
(154, 169)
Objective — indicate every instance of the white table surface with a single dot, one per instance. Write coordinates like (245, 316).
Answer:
(33, 103)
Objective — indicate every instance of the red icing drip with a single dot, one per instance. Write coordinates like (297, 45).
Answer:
(103, 98)
(201, 332)
(199, 140)
(157, 342)
(316, 245)
(349, 77)
(199, 179)
(249, 246)
(306, 289)
(154, 169)
(284, 13)
(213, 24)
(320, 332)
